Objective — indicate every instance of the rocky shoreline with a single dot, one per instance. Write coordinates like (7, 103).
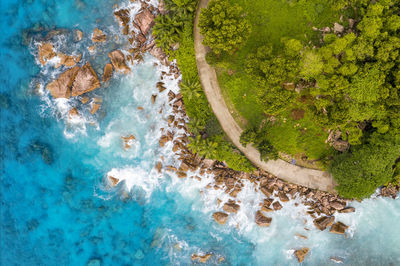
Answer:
(79, 80)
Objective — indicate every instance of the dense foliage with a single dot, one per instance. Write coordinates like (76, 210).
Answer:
(343, 79)
(367, 167)
(223, 26)
(208, 140)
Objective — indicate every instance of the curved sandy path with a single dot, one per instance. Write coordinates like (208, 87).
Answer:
(291, 173)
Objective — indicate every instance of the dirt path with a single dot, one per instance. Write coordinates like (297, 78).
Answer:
(286, 171)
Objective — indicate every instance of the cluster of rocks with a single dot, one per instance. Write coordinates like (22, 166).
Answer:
(78, 80)
(390, 191)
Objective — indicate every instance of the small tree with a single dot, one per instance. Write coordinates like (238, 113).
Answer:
(223, 26)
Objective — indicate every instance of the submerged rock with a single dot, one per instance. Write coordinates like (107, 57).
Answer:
(86, 80)
(145, 20)
(60, 88)
(202, 258)
(94, 262)
(220, 217)
(107, 73)
(262, 220)
(338, 228)
(118, 61)
(301, 254)
(78, 35)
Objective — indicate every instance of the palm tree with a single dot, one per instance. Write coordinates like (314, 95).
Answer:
(191, 89)
(167, 31)
(204, 148)
(195, 126)
(184, 9)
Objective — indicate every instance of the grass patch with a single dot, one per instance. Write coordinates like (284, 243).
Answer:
(273, 20)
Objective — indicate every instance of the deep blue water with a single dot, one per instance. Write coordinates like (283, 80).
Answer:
(56, 208)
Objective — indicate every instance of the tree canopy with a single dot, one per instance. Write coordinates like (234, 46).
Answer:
(223, 26)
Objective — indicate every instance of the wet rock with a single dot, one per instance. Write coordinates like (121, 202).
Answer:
(181, 174)
(145, 20)
(118, 61)
(84, 100)
(158, 53)
(66, 60)
(98, 36)
(153, 98)
(141, 38)
(73, 113)
(266, 209)
(390, 190)
(158, 167)
(86, 80)
(128, 141)
(220, 217)
(348, 210)
(78, 35)
(336, 259)
(112, 180)
(201, 258)
(60, 88)
(323, 222)
(123, 16)
(160, 86)
(283, 197)
(301, 236)
(94, 262)
(95, 108)
(107, 73)
(231, 206)
(277, 206)
(338, 228)
(262, 220)
(337, 205)
(266, 191)
(301, 254)
(46, 52)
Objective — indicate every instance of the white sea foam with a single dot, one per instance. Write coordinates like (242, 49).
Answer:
(137, 178)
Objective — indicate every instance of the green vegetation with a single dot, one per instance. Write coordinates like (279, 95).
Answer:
(223, 26)
(296, 82)
(367, 167)
(208, 139)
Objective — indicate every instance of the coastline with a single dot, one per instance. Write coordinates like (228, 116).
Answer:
(322, 205)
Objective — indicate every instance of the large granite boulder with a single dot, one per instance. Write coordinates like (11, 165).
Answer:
(118, 61)
(220, 217)
(86, 80)
(145, 20)
(60, 88)
(262, 220)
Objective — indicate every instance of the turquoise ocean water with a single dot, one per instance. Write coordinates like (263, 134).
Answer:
(56, 208)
